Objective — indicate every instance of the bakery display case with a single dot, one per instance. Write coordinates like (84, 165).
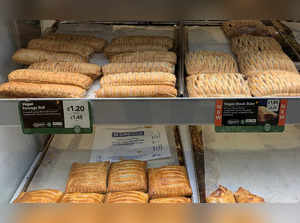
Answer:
(185, 105)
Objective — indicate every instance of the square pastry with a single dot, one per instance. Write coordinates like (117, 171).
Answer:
(127, 197)
(39, 196)
(221, 196)
(83, 198)
(171, 200)
(169, 181)
(88, 177)
(128, 175)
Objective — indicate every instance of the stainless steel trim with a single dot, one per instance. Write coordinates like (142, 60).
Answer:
(186, 142)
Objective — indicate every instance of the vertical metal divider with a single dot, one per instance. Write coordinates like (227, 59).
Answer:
(188, 153)
(180, 57)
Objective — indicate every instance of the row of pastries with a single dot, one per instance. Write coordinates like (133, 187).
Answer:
(127, 181)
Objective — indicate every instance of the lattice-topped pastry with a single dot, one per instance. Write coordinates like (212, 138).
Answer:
(116, 68)
(274, 83)
(171, 200)
(127, 197)
(251, 62)
(87, 178)
(235, 28)
(128, 175)
(244, 196)
(137, 79)
(145, 56)
(83, 198)
(246, 43)
(136, 91)
(221, 196)
(164, 41)
(168, 181)
(218, 85)
(39, 196)
(210, 62)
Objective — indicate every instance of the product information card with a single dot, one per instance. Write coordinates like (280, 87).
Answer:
(116, 143)
(250, 115)
(54, 117)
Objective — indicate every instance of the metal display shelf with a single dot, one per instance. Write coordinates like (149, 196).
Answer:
(51, 167)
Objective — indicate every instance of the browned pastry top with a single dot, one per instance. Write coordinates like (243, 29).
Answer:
(169, 181)
(221, 195)
(83, 198)
(218, 85)
(274, 83)
(39, 196)
(244, 196)
(210, 62)
(127, 197)
(171, 200)
(235, 28)
(87, 178)
(128, 175)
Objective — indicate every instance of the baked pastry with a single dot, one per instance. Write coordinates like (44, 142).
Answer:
(253, 62)
(244, 196)
(117, 68)
(97, 43)
(221, 196)
(210, 62)
(34, 90)
(265, 114)
(128, 197)
(136, 79)
(61, 47)
(168, 181)
(127, 175)
(235, 28)
(30, 56)
(145, 56)
(87, 178)
(217, 85)
(171, 200)
(136, 91)
(274, 83)
(164, 41)
(91, 70)
(49, 77)
(39, 196)
(248, 43)
(83, 198)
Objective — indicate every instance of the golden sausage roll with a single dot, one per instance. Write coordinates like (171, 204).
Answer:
(87, 178)
(30, 56)
(168, 181)
(217, 85)
(136, 91)
(244, 196)
(210, 62)
(221, 196)
(116, 68)
(135, 79)
(128, 175)
(82, 198)
(95, 42)
(127, 197)
(171, 200)
(39, 196)
(61, 47)
(34, 90)
(91, 70)
(145, 56)
(48, 77)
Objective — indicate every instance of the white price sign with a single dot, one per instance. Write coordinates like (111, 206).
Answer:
(77, 114)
